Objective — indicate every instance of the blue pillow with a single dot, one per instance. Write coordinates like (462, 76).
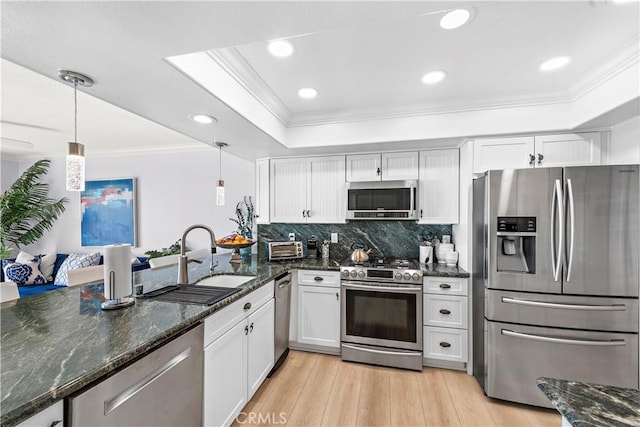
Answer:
(27, 273)
(74, 261)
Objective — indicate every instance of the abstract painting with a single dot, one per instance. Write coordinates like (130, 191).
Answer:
(108, 212)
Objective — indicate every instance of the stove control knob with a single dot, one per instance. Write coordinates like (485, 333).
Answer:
(407, 276)
(361, 274)
(345, 273)
(354, 273)
(398, 276)
(415, 277)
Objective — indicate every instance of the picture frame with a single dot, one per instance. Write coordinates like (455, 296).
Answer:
(108, 212)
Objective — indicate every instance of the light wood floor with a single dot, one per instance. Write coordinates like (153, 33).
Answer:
(313, 389)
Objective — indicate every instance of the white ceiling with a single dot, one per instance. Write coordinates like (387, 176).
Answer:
(366, 59)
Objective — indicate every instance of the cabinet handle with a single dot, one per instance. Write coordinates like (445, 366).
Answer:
(308, 213)
(304, 215)
(337, 296)
(318, 278)
(251, 327)
(247, 306)
(55, 423)
(445, 344)
(445, 311)
(379, 171)
(445, 286)
(540, 157)
(256, 216)
(420, 213)
(532, 159)
(246, 330)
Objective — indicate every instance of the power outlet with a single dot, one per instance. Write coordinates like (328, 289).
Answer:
(334, 237)
(292, 237)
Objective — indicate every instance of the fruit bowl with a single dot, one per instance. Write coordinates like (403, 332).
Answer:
(230, 242)
(235, 245)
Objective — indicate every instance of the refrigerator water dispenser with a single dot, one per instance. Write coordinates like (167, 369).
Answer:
(516, 244)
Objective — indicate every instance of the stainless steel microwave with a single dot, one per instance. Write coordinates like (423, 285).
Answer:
(382, 200)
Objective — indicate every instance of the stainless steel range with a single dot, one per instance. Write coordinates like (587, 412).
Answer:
(382, 313)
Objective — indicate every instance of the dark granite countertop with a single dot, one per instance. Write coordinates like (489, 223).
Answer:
(443, 270)
(587, 405)
(56, 343)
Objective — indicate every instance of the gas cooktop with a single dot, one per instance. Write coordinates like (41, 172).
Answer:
(386, 270)
(394, 263)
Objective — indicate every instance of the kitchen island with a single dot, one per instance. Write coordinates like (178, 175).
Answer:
(582, 404)
(57, 343)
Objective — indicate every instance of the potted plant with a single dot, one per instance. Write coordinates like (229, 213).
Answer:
(26, 211)
(244, 220)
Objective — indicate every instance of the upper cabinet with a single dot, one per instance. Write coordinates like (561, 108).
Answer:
(382, 167)
(572, 149)
(261, 208)
(438, 198)
(307, 190)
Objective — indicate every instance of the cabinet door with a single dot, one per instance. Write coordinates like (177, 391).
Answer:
(51, 416)
(364, 167)
(326, 190)
(260, 346)
(399, 166)
(262, 191)
(503, 153)
(572, 149)
(225, 376)
(289, 190)
(439, 186)
(319, 316)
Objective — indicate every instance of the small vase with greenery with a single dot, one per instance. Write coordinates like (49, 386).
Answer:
(26, 211)
(244, 214)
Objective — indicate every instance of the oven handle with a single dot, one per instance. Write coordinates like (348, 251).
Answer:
(382, 288)
(372, 350)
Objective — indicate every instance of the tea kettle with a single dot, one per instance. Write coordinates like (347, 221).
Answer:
(359, 254)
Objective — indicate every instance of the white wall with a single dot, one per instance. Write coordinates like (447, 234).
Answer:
(174, 190)
(8, 173)
(624, 146)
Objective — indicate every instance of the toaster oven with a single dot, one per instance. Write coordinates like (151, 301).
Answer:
(284, 250)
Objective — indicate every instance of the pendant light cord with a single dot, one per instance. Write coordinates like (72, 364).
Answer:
(220, 169)
(75, 110)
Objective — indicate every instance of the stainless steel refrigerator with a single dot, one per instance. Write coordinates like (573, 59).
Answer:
(555, 278)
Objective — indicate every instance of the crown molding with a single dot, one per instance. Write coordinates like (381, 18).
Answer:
(234, 64)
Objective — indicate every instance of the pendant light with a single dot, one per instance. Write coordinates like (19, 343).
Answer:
(75, 157)
(220, 187)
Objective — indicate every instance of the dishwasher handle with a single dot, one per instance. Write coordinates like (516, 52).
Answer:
(284, 284)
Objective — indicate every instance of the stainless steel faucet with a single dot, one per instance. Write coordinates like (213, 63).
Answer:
(183, 271)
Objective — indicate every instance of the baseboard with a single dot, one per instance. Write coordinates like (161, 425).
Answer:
(314, 348)
(446, 364)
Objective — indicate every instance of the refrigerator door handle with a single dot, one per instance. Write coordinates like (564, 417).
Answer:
(586, 307)
(572, 225)
(557, 205)
(598, 343)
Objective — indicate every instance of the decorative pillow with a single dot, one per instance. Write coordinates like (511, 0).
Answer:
(25, 273)
(74, 261)
(46, 262)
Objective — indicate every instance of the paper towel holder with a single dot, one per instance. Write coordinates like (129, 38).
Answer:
(112, 304)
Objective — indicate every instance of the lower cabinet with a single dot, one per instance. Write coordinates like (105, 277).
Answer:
(318, 310)
(49, 417)
(238, 358)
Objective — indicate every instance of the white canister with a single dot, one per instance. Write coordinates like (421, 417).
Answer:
(452, 258)
(426, 254)
(117, 271)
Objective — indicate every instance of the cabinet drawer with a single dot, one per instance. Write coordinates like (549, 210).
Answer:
(446, 285)
(445, 344)
(329, 279)
(445, 310)
(221, 321)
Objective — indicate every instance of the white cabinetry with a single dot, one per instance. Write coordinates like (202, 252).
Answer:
(438, 197)
(51, 416)
(382, 167)
(446, 325)
(572, 149)
(307, 190)
(318, 310)
(238, 355)
(262, 192)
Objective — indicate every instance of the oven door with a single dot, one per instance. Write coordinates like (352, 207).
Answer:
(382, 314)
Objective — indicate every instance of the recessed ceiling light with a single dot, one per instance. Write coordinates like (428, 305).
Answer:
(307, 93)
(555, 63)
(433, 77)
(281, 48)
(205, 119)
(455, 18)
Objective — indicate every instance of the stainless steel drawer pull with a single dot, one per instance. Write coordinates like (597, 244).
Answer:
(119, 399)
(318, 278)
(445, 286)
(598, 343)
(445, 311)
(445, 344)
(586, 307)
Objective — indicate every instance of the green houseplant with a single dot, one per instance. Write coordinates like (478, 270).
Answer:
(245, 216)
(26, 210)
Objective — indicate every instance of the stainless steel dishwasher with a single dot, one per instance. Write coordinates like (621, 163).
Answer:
(282, 318)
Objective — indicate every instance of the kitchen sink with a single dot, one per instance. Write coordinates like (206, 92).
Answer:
(224, 281)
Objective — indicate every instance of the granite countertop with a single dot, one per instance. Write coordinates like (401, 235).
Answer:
(56, 343)
(584, 404)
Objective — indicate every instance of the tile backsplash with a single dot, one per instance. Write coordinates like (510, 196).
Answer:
(398, 239)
